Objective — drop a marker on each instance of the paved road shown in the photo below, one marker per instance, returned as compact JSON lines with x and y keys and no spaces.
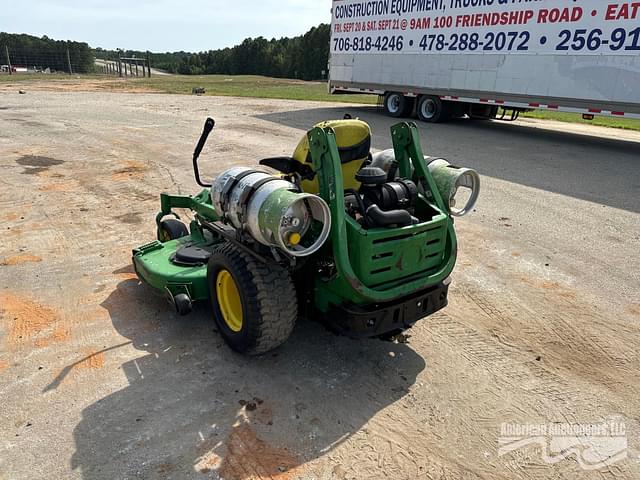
{"x":100,"y":380}
{"x":573,"y":192}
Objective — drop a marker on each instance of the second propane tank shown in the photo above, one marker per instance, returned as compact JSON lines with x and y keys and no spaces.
{"x":449,"y":179}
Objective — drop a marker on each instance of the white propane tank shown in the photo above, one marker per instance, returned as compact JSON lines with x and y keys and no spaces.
{"x":272,"y":210}
{"x":450,"y":180}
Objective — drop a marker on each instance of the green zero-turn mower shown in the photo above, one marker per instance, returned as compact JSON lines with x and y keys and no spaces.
{"x":362,"y":242}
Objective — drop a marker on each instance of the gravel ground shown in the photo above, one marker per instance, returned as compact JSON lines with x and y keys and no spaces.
{"x":99,"y":379}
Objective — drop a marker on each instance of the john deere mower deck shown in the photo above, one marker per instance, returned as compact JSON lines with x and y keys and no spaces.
{"x":362,"y":242}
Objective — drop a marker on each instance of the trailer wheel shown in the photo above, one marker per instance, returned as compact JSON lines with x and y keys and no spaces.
{"x":432,"y":109}
{"x":397,"y":105}
{"x":172,"y":229}
{"x":254,"y":304}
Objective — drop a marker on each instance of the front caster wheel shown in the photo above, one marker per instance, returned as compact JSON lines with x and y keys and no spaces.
{"x":183,"y":304}
{"x":172,"y":229}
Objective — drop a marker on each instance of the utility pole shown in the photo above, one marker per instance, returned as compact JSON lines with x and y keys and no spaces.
{"x":69,"y":62}
{"x":149,"y":63}
{"x":6,"y":49}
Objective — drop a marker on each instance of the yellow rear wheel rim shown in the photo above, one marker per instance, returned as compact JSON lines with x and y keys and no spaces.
{"x":229,"y":300}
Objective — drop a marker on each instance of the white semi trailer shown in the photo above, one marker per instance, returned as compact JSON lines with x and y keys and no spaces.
{"x":444,"y":58}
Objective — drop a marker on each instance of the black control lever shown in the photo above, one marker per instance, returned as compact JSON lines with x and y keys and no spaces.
{"x":208,"y":127}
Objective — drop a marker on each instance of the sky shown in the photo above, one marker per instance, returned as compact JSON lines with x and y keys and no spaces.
{"x":162,"y":25}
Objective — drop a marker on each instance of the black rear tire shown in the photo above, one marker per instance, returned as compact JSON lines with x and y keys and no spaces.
{"x":433,"y":110}
{"x":172,"y":229}
{"x":267,"y":296}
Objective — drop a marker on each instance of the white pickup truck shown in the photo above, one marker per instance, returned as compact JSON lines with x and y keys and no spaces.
{"x":446,"y":58}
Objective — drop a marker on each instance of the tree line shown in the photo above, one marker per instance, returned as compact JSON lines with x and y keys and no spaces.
{"x":29,"y":51}
{"x":304,"y":57}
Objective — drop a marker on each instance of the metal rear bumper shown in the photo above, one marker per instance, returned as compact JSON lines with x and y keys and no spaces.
{"x":372,"y":321}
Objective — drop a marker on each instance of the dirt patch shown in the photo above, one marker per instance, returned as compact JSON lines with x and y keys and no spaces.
{"x":20,"y":259}
{"x":98,"y":314}
{"x":127,"y":273}
{"x":79,"y":85}
{"x":92,"y":360}
{"x":208,"y":460}
{"x":59,"y":335}
{"x":553,"y":288}
{"x":3,"y":365}
{"x":25,"y":317}
{"x":634,"y":309}
{"x":130,"y":169}
{"x":55,"y":187}
{"x":558,"y":289}
{"x":34,"y":170}
{"x":38,"y":161}
{"x":127,"y":269}
{"x":13,"y":216}
{"x":130,"y":218}
{"x":251,"y":458}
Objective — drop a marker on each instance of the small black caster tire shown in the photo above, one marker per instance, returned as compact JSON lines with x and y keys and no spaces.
{"x":183,"y":304}
{"x":172,"y":229}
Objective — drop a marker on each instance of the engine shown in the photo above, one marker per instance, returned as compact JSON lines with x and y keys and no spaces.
{"x":457,"y":185}
{"x":382,"y":203}
{"x":385,"y":200}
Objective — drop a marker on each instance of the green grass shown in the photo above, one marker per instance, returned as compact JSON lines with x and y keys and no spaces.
{"x":613,"y":122}
{"x":250,"y":86}
{"x":265,"y":87}
{"x":218,"y":85}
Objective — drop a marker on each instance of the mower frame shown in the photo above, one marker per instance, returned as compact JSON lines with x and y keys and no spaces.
{"x":345,"y":289}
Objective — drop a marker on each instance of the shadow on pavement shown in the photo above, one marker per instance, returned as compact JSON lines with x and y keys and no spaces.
{"x":600,"y":170}
{"x":193,"y":407}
